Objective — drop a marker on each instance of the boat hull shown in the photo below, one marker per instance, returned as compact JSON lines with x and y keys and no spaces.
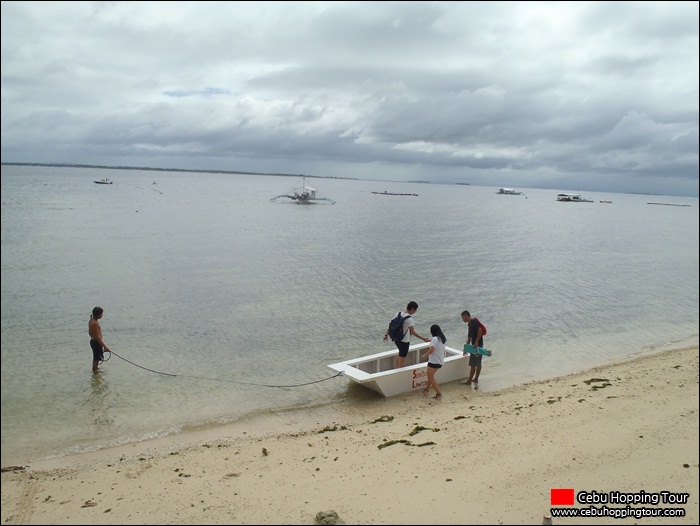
{"x":377,"y":371}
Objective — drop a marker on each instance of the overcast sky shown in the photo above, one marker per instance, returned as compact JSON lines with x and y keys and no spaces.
{"x":564,"y":95}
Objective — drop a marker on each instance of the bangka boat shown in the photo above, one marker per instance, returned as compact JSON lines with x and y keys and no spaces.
{"x":508,"y":191}
{"x":573,"y":198}
{"x":393,"y":193}
{"x":378,"y":372}
{"x":303,"y":195}
{"x":103,"y":181}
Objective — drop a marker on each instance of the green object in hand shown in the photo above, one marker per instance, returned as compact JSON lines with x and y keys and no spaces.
{"x":470,"y":349}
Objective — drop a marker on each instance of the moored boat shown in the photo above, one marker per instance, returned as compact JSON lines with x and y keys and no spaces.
{"x":303,"y":195}
{"x":378,"y":372}
{"x":573,"y":198}
{"x":393,"y":193}
{"x":103,"y":181}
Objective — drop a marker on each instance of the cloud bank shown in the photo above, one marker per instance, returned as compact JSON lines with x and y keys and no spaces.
{"x":567,"y":95}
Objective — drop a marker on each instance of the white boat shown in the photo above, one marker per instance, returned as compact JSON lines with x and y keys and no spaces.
{"x":508,"y":191}
{"x":393,"y":193}
{"x":103,"y":181}
{"x":378,"y":372}
{"x":573,"y":198}
{"x":303,"y":195}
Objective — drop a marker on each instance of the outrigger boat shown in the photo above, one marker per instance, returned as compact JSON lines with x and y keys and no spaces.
{"x":303,"y":195}
{"x":378,"y":372}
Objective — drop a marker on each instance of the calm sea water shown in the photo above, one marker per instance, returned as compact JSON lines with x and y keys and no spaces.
{"x":221,"y":304}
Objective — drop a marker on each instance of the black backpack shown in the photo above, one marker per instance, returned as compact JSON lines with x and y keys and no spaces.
{"x":396,"y":332}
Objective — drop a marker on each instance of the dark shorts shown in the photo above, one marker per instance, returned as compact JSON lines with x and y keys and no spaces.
{"x":475,"y":360}
{"x":97,"y":351}
{"x":434,"y":365}
{"x":403,"y":348}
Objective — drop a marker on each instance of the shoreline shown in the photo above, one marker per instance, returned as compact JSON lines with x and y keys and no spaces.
{"x":473,"y":457}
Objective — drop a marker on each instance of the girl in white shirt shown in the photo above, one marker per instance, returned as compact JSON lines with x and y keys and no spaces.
{"x":436,"y":357}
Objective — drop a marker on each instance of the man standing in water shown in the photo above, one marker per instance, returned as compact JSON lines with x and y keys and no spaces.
{"x":409,"y":328}
{"x":96,"y":343}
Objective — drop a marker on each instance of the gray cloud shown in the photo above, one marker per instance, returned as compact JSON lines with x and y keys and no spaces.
{"x":566,"y":95}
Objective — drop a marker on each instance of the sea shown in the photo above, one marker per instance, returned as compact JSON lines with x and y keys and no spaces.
{"x":220,"y":305}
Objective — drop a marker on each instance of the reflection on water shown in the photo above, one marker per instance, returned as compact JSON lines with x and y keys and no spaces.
{"x":96,"y":403}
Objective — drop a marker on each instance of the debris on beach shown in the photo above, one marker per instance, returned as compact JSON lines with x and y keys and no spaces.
{"x":13,"y":468}
{"x":328,"y":517}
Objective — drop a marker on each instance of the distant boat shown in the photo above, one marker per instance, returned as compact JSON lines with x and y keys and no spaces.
{"x":103,"y":181}
{"x":508,"y":191}
{"x":573,"y":198}
{"x":303,"y":195}
{"x":603,"y":201}
{"x":392,"y":193}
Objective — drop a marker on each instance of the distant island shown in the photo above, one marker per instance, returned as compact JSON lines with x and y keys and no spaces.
{"x":143,"y":168}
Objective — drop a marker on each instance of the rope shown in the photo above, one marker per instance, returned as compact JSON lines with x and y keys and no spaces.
{"x":103,"y":360}
{"x":223,"y":379}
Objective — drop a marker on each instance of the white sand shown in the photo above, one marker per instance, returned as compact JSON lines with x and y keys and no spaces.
{"x":492,"y":458}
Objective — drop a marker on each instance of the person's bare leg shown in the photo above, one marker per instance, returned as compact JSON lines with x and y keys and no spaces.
{"x":476,"y":378}
{"x":433,"y":382}
{"x":431,"y":379}
{"x":471,"y":375}
{"x":400,"y":361}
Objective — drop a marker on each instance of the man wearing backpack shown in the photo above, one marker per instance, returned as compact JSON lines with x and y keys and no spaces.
{"x":407,"y":328}
{"x":475,"y":336}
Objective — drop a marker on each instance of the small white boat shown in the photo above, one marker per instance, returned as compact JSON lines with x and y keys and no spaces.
{"x":103,"y":181}
{"x":508,"y":191}
{"x":377,"y":371}
{"x":573,"y":198}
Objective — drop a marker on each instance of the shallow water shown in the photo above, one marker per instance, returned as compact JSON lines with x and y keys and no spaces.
{"x":220,"y":304}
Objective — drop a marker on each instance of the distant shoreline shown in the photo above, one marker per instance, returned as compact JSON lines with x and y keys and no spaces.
{"x":143,"y":168}
{"x":237,"y":172}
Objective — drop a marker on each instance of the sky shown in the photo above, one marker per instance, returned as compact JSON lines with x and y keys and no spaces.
{"x":598,"y":96}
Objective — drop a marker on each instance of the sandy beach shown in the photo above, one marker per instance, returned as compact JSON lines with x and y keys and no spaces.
{"x":613,"y":433}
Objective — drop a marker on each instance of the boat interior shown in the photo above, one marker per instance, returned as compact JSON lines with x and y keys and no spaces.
{"x":387,"y":363}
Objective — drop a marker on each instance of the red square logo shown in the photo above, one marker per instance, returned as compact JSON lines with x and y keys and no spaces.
{"x":562,"y":497}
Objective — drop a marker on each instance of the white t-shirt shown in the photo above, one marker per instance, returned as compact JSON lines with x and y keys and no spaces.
{"x":438,"y":355}
{"x":407,"y":324}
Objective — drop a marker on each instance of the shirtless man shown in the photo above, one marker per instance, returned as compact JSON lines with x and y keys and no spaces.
{"x":95,"y":331}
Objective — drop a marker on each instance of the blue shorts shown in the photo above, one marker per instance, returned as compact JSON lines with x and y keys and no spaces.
{"x":403,"y":348}
{"x":97,"y":351}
